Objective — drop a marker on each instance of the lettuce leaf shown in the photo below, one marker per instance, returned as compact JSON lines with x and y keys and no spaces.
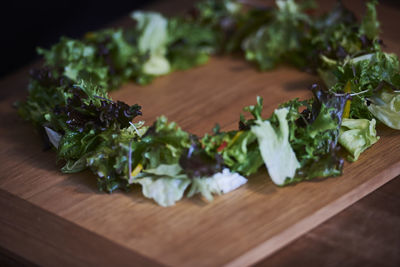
{"x":153,"y":39}
{"x":276,"y":41}
{"x":356,"y":135}
{"x":73,"y":166}
{"x":242,"y":154}
{"x":104,"y":56}
{"x":165,"y":184}
{"x":163,"y":143}
{"x":112,"y":156}
{"x":275,"y":148}
{"x":370,"y":25}
{"x":220,"y":183}
{"x":367,"y":76}
{"x":239,"y":150}
{"x":189,"y":43}
{"x":164,"y":190}
{"x":385,"y":106}
{"x":54,"y":137}
{"x":314,"y":133}
{"x":197,"y":163}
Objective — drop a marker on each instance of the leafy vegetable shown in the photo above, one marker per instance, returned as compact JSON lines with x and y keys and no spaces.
{"x":311,"y":136}
{"x":356,"y":135}
{"x":370,"y":24}
{"x":197,"y":163}
{"x":164,"y":190}
{"x":97,"y":114}
{"x":163,"y":143}
{"x":54,"y":137}
{"x":332,"y":43}
{"x":189,"y":43}
{"x":106,"y":57}
{"x":385,"y":106}
{"x":219,"y":16}
{"x":111,"y":159}
{"x":314,"y":134}
{"x":239,"y":150}
{"x":220,"y":183}
{"x":367,"y":74}
{"x":69,"y":103}
{"x":153,"y":37}
{"x":46,"y":90}
{"x":280,"y":38}
{"x":275,"y":148}
{"x":165,"y":184}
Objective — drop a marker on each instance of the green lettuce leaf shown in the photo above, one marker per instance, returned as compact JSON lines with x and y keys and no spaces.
{"x":275,"y":148}
{"x":106,"y":57}
{"x":74,"y":56}
{"x":165,"y":184}
{"x":314,"y":132}
{"x":47,"y":89}
{"x":242,"y":154}
{"x":356,"y":135}
{"x":239,"y":150}
{"x":163,"y":143}
{"x":172,"y":170}
{"x":190,"y":43}
{"x":164,"y":191}
{"x":385,"y":107}
{"x":112,"y":156}
{"x":73,"y":166}
{"x":367,"y":75}
{"x":220,"y":183}
{"x":278,"y":40}
{"x":153,"y":41}
{"x":370,"y":24}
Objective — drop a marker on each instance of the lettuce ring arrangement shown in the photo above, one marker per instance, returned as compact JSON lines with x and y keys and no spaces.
{"x":69,"y":103}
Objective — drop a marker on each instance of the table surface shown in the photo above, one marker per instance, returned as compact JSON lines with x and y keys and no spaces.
{"x":369,"y":228}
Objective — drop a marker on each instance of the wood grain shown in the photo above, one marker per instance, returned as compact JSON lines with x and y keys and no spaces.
{"x":50,"y":214}
{"x":365,"y":234}
{"x":51,"y":240}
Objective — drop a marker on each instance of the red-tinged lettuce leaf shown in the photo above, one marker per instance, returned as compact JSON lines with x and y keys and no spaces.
{"x":314,"y":134}
{"x":324,"y":165}
{"x":197,"y":163}
{"x":97,"y":114}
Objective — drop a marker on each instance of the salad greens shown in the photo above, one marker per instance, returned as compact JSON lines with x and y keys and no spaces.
{"x":366,"y":77}
{"x":220,"y":183}
{"x":275,"y":148}
{"x":385,"y":106}
{"x":239,"y":150}
{"x":356,"y":135}
{"x":152,"y":41}
{"x":165,"y":184}
{"x":314,"y":133}
{"x":68,"y":98}
{"x":278,"y":40}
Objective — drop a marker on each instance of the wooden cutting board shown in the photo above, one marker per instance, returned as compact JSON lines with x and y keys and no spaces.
{"x":55,"y":219}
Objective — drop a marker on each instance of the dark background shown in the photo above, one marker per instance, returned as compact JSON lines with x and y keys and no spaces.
{"x":26,"y":25}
